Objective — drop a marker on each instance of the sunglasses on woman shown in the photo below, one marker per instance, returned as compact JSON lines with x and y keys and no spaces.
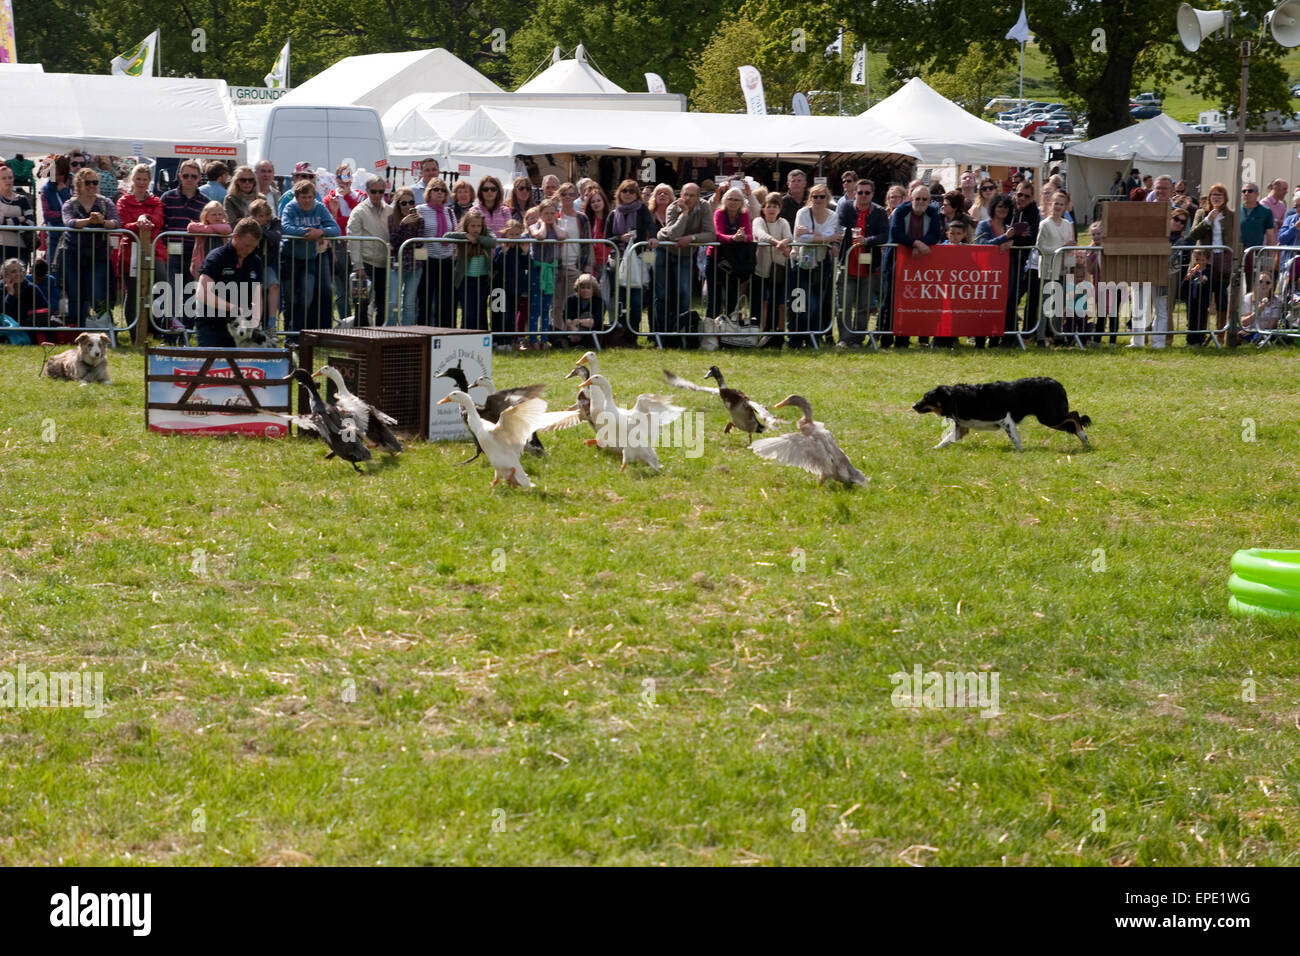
{"x":407,"y":202}
{"x":489,"y":189}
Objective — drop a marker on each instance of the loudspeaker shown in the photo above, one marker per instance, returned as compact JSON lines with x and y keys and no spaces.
{"x":1195,"y":25}
{"x":1284,"y":22}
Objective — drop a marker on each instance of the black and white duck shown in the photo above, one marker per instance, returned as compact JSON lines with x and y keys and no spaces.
{"x":373,"y":423}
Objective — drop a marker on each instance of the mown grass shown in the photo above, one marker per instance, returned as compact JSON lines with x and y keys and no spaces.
{"x":354,"y":676}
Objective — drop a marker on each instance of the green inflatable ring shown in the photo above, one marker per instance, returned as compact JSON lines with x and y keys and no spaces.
{"x":1265,"y":583}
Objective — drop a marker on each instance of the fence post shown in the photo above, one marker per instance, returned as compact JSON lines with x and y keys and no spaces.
{"x":144,"y":285}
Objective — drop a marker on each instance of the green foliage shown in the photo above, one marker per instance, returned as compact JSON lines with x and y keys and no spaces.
{"x":625,"y":39}
{"x":787,"y":45}
{"x":974,"y":79}
{"x":240,"y":39}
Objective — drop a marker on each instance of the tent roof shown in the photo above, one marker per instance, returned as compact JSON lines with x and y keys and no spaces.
{"x":1152,"y":141}
{"x":494,"y":130}
{"x":379,"y":80}
{"x":423,"y":132}
{"x":118,"y":115}
{"x":570,"y":76}
{"x":942,"y":130}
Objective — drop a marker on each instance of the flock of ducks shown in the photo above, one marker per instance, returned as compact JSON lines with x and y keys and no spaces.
{"x":508,"y":421}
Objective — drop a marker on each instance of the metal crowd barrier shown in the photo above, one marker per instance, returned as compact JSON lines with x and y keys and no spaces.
{"x":312,"y":290}
{"x":1283,"y":263}
{"x":1156,"y":312}
{"x":83,"y":288}
{"x":512,"y":301}
{"x":787,"y":303}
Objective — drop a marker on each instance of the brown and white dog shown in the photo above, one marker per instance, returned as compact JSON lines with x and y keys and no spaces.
{"x":87,"y":363}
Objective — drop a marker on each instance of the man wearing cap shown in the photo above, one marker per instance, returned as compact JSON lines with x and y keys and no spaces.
{"x":302,"y":172}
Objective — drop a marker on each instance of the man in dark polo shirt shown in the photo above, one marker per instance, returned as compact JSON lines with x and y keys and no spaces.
{"x":230,"y":285}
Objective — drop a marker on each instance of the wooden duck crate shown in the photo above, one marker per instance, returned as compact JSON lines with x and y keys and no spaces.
{"x":1135,"y":236}
{"x":387,"y":366}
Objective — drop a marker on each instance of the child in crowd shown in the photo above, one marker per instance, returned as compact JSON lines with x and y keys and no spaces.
{"x":584,"y":311}
{"x":473,"y":269}
{"x":541,"y":275}
{"x":1199,"y":295}
{"x":260,"y":210}
{"x":957,"y":233}
{"x":513,"y":266}
{"x":213,"y":222}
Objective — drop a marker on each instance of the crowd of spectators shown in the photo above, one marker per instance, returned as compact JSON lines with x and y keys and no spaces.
{"x":546,"y":263}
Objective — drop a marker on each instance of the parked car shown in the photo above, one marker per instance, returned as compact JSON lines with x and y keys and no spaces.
{"x":1148,"y":99}
{"x":1144,"y":112}
{"x":1295,"y":89}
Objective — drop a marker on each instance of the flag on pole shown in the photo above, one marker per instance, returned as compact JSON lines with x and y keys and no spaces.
{"x":836,"y":48}
{"x":751,"y":84}
{"x":278,"y":78}
{"x":1020,"y":32}
{"x":137,"y":61}
{"x":8,"y":48}
{"x":859,"y":74}
{"x":655,"y":83}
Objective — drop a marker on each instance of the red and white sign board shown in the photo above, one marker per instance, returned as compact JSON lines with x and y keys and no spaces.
{"x":226,"y":401}
{"x":953,"y":291}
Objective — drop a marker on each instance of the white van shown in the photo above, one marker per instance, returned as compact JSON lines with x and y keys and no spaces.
{"x":321,"y":135}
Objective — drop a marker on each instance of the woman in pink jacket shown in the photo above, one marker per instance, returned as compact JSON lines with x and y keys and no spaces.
{"x":730,"y":263}
{"x":492,"y":204}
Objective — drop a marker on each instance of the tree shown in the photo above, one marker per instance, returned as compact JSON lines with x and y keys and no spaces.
{"x":972,"y":80}
{"x":1098,"y":50}
{"x":238,"y":40}
{"x":787,"y":45}
{"x":624,"y":39}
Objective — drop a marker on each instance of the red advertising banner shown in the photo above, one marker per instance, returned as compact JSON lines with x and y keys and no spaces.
{"x":952,"y":291}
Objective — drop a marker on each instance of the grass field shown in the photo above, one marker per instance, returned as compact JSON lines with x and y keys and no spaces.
{"x":304,"y":665}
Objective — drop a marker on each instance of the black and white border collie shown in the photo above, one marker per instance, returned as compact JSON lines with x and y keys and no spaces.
{"x":993,"y":405}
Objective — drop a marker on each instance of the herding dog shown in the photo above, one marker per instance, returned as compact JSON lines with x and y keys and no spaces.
{"x":993,"y":405}
{"x":88,"y":362}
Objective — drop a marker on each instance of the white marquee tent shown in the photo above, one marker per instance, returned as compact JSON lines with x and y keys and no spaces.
{"x":571,"y":76}
{"x":486,"y":141}
{"x":118,"y":116}
{"x":380,"y":80}
{"x":1152,"y":146}
{"x":943,"y":131}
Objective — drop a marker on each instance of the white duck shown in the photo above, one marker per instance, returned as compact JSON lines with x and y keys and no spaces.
{"x":370,"y":421}
{"x":811,"y":448}
{"x":633,"y":431}
{"x":503,"y":440}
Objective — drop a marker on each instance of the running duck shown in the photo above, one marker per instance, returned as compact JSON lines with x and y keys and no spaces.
{"x":746,"y":414}
{"x":503,"y":440}
{"x":340,"y":431}
{"x":811,"y":448}
{"x":371,"y":422}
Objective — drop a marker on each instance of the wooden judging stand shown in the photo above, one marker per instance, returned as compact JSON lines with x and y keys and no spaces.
{"x":1135,"y":237}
